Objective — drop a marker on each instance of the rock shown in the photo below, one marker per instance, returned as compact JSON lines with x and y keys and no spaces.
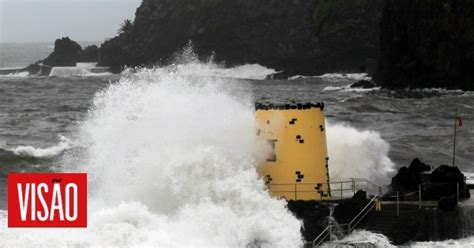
{"x":427,"y":44}
{"x":442,"y":182}
{"x":313,"y":214}
{"x":66,"y":53}
{"x":89,"y":54}
{"x":448,"y":203}
{"x":347,"y":209}
{"x":364,"y":84}
{"x":302,"y":37}
{"x":405,"y":180}
{"x":416,"y":166}
{"x":447,"y":174}
{"x":448,"y":180}
{"x":360,"y":195}
{"x":408,"y":178}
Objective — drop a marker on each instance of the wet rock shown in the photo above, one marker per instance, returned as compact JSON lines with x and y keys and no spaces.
{"x":360,"y":195}
{"x":447,"y":174}
{"x":313,"y":214}
{"x":444,"y":181}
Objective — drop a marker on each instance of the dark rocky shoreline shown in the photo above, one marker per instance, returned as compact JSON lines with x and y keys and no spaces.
{"x":425,"y":222}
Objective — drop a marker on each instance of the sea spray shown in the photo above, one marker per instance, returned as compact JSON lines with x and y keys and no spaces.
{"x":171,"y":159}
{"x":357,"y":154}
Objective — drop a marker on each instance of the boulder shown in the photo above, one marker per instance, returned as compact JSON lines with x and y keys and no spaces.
{"x":416,"y":166}
{"x":447,"y":174}
{"x":360,"y":195}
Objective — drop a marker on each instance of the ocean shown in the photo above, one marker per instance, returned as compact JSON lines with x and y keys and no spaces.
{"x":171,"y":154}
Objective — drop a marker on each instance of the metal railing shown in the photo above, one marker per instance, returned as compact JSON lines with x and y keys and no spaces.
{"x":416,"y":197}
{"x":324,"y":190}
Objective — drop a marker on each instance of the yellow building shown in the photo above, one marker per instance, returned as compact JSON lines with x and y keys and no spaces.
{"x":297,"y":164}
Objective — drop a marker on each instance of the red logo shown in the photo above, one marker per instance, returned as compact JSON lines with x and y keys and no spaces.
{"x":47,"y":200}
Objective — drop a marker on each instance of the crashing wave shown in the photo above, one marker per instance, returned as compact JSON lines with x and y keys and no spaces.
{"x":172,"y":158}
{"x":22,"y":74}
{"x":357,"y":154}
{"x":30,"y":151}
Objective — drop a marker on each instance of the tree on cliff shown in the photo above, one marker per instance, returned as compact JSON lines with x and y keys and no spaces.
{"x":115,"y":52}
{"x":126,"y":27}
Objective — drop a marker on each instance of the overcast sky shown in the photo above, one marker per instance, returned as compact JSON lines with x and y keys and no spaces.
{"x":47,"y":20}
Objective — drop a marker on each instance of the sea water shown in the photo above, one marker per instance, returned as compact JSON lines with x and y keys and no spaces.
{"x":171,"y":153}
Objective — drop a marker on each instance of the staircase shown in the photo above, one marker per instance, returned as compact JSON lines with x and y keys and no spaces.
{"x":346,"y":228}
{"x":383,"y":221}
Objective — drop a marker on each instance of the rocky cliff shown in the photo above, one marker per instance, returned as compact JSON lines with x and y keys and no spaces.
{"x":299,"y":37}
{"x":427,"y":44}
{"x":68,"y":52}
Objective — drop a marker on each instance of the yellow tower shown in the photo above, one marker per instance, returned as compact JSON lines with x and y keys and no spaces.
{"x":297,"y":165}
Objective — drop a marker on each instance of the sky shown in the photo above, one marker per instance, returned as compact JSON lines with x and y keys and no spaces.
{"x":47,"y":20}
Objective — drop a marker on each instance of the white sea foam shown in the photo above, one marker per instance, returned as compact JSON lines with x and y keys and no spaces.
{"x":248,"y":71}
{"x":437,"y":90}
{"x":469,"y":177}
{"x":361,"y":238}
{"x":458,"y":243}
{"x":172,"y":163}
{"x":22,"y":74}
{"x":187,"y":64}
{"x":86,"y":64}
{"x":51,"y":151}
{"x":357,"y":154}
{"x":347,"y":88}
{"x":78,"y":71}
{"x":353,"y":76}
{"x":336,"y":76}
